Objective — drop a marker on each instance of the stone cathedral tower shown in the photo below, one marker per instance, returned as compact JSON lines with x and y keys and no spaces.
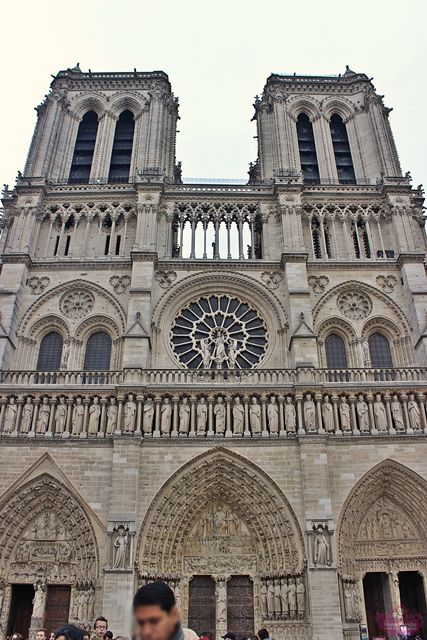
{"x":218,"y":385}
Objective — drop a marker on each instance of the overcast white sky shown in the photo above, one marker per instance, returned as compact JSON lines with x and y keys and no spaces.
{"x":218,"y":56}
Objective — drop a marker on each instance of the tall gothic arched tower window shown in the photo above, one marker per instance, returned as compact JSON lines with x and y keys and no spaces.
{"x":83,"y":151}
{"x":50,"y":352}
{"x":98,"y":352}
{"x":307,"y":149}
{"x":122,"y":148}
{"x":342,"y":150}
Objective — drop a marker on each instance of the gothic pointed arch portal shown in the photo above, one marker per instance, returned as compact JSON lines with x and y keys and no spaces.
{"x":220,"y":515}
{"x":47,"y":540}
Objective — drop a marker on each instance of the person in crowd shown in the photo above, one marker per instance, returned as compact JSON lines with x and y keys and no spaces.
{"x":16,"y":636}
{"x":68,"y":632}
{"x":157,"y":615}
{"x":230,"y":635}
{"x":85,"y":634}
{"x":41,"y":634}
{"x":263,"y":634}
{"x":100,"y":627}
{"x":52,"y":635}
{"x":108,"y":635}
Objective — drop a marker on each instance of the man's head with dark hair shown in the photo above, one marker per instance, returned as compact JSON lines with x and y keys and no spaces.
{"x":263,"y":634}
{"x":100,"y":626}
{"x":85,"y":634}
{"x":155,"y":611}
{"x":108,"y":635}
{"x":41,"y":634}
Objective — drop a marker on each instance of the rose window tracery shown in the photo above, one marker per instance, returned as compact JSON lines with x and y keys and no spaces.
{"x":76,"y":304}
{"x":219,"y":332}
{"x":354,"y":306}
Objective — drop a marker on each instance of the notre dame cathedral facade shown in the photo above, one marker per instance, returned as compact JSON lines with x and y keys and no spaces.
{"x":218,"y":385}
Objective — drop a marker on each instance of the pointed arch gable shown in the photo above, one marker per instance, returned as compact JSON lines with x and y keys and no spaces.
{"x":226,"y":476}
{"x":388,"y":486}
{"x":46,"y":525}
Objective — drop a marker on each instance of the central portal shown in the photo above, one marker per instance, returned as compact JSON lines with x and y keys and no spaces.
{"x":240,"y":606}
{"x":202,"y":606}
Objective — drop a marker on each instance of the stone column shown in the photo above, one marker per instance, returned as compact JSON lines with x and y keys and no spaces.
{"x":118,"y":431}
{"x":318,"y":398}
{"x":157,"y":401}
{"x":391,"y":429}
{"x":174,"y":433}
{"x":101,"y":432}
{"x":138,"y":426}
{"x":338,"y":431}
{"x":404,"y":399}
{"x":66,"y":433}
{"x":32,"y":433}
{"x":3,"y":403}
{"x":300,"y":426}
{"x":210,"y":433}
{"x":19,"y":402}
{"x":370,"y":400}
{"x":228,"y":432}
{"x":264,"y":432}
{"x":352,"y":400}
{"x":282,"y":432}
{"x":421,"y":400}
{"x":192,"y":433}
{"x":49,"y":432}
{"x":247,"y":427}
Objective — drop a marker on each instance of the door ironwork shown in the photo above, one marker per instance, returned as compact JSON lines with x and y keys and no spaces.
{"x":201,"y":606}
{"x":240,"y":606}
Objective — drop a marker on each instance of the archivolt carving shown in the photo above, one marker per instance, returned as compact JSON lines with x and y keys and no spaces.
{"x":95,"y":101}
{"x":56,"y":292}
{"x":135,"y":103}
{"x":45,"y":534}
{"x":377,"y":525}
{"x":336,"y":325}
{"x":310,"y":106}
{"x":376,"y":323}
{"x":97,"y":323}
{"x":252,"y":506}
{"x":342,"y":106}
{"x":367,"y":290}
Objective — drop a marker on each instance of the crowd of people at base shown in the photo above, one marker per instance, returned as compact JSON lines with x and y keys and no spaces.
{"x":156,"y":617}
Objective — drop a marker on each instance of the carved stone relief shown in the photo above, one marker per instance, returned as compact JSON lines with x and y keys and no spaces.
{"x":76,"y":304}
{"x":120,"y":284}
{"x":38,"y":285}
{"x":354,"y":305}
{"x":165,"y":278}
{"x":387,"y":283}
{"x":318,"y":283}
{"x":272,"y":279}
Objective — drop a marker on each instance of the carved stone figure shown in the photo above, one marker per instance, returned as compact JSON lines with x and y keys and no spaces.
{"x":273,"y":415}
{"x":380,"y":414}
{"x":65,"y":356}
{"x":120,"y":549}
{"x":78,"y":417}
{"x":397,"y":413}
{"x":284,"y":597}
{"x":202,"y":416}
{"x":366,"y":353}
{"x":300,"y":598}
{"x":264,"y":601}
{"x":363,"y":414}
{"x":38,"y":601}
{"x":277,"y":602}
{"x":112,"y":416}
{"x":232,"y":353}
{"x":414,"y":413}
{"x":165,"y":417}
{"x":270,"y":597}
{"x":345,"y":415}
{"x":348,"y":602}
{"x":219,"y":413}
{"x":290,"y":416}
{"x":60,"y":416}
{"x":94,"y":413}
{"x":184,"y":416}
{"x":292,"y":598}
{"x":130,"y":415}
{"x":43,"y":418}
{"x":10,"y":419}
{"x":238,"y":417}
{"x":219,"y":355}
{"x":147,"y":422}
{"x":255,"y":417}
{"x":327,"y":415}
{"x":309,"y":413}
{"x":221,"y":601}
{"x":205,"y":348}
{"x":321,"y":547}
{"x":27,"y":415}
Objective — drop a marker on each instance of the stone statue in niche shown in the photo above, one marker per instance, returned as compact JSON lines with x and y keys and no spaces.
{"x":238,"y":417}
{"x":277,"y":603}
{"x":130,"y":415}
{"x":219,"y":413}
{"x":414,"y":413}
{"x":121,"y":544}
{"x":202,"y":417}
{"x":27,"y":415}
{"x":290,"y":416}
{"x":380,"y":414}
{"x":147,"y":423}
{"x":273,"y":415}
{"x":94,"y":414}
{"x":328,"y":415}
{"x":309,"y":413}
{"x":165,"y":417}
{"x":270,"y":597}
{"x":397,"y":413}
{"x":362,"y":414}
{"x":65,"y":356}
{"x":78,"y":417}
{"x":232,"y":352}
{"x":345,"y":415}
{"x":44,"y":413}
{"x":219,"y":354}
{"x":292,"y":598}
{"x":321,"y":547}
{"x":111,"y":417}
{"x":60,"y":416}
{"x":184,"y":417}
{"x":284,"y":597}
{"x":300,"y":598}
{"x":10,"y":419}
{"x":366,"y":353}
{"x":221,"y":601}
{"x":255,"y":417}
{"x":205,"y":348}
{"x":38,"y":601}
{"x":264,"y":601}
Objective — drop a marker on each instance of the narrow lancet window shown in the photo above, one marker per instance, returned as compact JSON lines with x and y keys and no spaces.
{"x":307,"y":149}
{"x":83,"y":151}
{"x":122,"y":148}
{"x":342,"y":151}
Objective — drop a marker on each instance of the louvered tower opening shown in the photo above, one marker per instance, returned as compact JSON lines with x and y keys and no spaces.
{"x":122,"y":148}
{"x":307,"y":150}
{"x":342,"y":151}
{"x":83,"y":151}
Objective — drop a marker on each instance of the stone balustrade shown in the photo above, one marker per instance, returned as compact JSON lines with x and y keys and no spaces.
{"x":214,"y":413}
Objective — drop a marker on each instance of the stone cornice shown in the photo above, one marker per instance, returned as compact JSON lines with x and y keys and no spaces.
{"x":293,"y":257}
{"x":66,"y":265}
{"x":179,"y":264}
{"x":144,"y":256}
{"x":351,"y":265}
{"x":410,"y":258}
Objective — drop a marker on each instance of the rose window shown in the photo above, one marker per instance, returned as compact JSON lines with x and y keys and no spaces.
{"x":354,"y":305}
{"x":76,"y":304}
{"x":219,"y":332}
